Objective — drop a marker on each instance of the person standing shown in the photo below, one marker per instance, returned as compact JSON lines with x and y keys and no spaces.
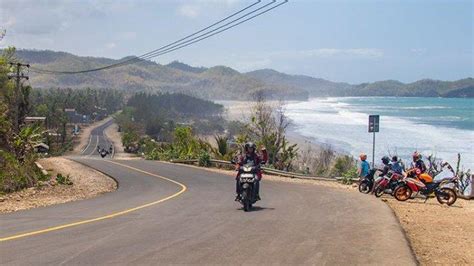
{"x":364,"y":167}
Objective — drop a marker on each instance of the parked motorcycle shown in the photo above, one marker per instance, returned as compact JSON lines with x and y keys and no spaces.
{"x":443,"y":189}
{"x":366,"y":185}
{"x":390,"y":181}
{"x":248,"y":181}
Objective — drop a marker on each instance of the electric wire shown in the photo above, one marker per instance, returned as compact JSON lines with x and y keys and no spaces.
{"x":183,"y":42}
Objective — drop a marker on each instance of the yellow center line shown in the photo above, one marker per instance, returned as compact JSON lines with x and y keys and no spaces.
{"x":109,"y":216}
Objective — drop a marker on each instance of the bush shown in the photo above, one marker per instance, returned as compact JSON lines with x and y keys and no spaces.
{"x":349,"y":175}
{"x":63,"y":180}
{"x":342,"y":165}
{"x":204,"y":159}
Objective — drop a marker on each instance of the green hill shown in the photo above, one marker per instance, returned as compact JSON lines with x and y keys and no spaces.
{"x":214,"y":83}
{"x":220,"y":82}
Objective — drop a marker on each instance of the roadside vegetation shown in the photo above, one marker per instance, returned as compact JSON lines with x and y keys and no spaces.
{"x":20,"y":136}
{"x":65,"y":108}
{"x":181,"y":127}
{"x":17,"y":140}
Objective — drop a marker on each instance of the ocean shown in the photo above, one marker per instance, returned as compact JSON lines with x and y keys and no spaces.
{"x":442,"y":127}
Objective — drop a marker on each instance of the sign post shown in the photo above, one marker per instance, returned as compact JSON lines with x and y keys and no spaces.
{"x":374,"y":124}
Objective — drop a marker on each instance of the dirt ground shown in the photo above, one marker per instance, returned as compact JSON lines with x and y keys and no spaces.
{"x":438,"y":234}
{"x":87,"y":183}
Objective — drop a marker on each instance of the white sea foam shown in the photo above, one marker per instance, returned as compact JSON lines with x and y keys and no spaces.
{"x":330,"y":121}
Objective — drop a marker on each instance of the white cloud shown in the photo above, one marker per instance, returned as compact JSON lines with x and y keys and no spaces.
{"x":127,"y":35}
{"x":189,"y":11}
{"x":332,"y":52}
{"x":110,"y":45}
{"x":418,"y":51}
{"x":193,"y":8}
{"x":53,"y":15}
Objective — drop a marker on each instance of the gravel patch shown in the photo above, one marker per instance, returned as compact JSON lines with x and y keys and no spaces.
{"x":87,"y":183}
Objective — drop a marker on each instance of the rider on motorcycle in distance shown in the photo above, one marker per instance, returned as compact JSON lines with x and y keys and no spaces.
{"x":251,"y":154}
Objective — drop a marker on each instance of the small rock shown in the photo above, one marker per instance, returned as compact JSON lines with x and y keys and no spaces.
{"x":2,"y":199}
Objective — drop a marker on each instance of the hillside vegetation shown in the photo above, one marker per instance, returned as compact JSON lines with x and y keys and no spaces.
{"x":221,"y":82}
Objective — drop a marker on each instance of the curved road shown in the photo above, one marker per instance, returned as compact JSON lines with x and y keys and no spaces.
{"x":175,"y":214}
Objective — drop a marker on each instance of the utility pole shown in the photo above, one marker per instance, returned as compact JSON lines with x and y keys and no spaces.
{"x":18,"y":75}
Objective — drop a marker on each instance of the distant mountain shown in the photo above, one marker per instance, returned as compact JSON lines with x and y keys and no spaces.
{"x":186,"y":68}
{"x":220,"y":82}
{"x":317,"y":87}
{"x":462,"y":88}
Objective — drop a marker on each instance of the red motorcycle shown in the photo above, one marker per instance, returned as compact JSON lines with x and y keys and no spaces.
{"x":390,"y":181}
{"x":417,"y":182}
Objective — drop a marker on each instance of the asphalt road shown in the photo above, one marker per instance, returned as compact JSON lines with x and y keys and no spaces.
{"x":175,"y":214}
{"x":98,"y":139}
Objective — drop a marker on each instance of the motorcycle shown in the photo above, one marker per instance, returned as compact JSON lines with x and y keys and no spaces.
{"x":366,"y":185}
{"x":390,"y":181}
{"x":248,"y":181}
{"x":102,"y":152}
{"x":443,"y":189}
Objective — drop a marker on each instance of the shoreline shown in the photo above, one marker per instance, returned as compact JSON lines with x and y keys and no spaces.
{"x":240,"y":111}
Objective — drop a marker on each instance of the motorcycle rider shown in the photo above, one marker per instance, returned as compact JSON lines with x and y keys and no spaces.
{"x":251,"y":155}
{"x":387,"y":166}
{"x":419,"y":164}
{"x":397,"y":165}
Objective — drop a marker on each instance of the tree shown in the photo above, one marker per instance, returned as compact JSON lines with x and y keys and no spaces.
{"x":268,"y":126}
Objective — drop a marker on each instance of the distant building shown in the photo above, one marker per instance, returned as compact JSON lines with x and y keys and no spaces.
{"x":38,"y":120}
{"x":41,"y":148}
{"x":76,"y":118}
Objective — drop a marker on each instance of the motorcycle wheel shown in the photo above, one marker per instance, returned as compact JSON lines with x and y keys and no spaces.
{"x":364,"y":187}
{"x":449,"y":198}
{"x":246,"y":201}
{"x":402,"y":193}
{"x":379,"y":191}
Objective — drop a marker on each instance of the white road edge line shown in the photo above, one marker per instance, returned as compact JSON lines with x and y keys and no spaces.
{"x":90,"y":139}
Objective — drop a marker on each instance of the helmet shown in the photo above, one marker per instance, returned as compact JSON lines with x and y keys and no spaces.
{"x":363,"y":156}
{"x":249,"y":145}
{"x":416,"y":156}
{"x":385,"y":160}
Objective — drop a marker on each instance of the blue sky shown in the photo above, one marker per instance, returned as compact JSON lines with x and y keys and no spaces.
{"x":352,"y":41}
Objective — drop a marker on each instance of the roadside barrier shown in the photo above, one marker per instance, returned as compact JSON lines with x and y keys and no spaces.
{"x":267,"y":170}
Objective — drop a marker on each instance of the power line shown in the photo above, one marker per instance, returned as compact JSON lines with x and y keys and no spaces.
{"x":181,"y":43}
{"x":135,"y":58}
{"x":187,"y":43}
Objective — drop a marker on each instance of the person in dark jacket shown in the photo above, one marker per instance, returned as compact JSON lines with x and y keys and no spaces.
{"x":419,"y":164}
{"x":386,"y":166}
{"x":251,"y":155}
{"x":397,"y":165}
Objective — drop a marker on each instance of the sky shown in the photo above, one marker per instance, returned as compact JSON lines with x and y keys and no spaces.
{"x":340,"y":40}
